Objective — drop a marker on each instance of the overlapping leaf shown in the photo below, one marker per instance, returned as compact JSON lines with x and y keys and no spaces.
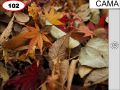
{"x":53,"y":17}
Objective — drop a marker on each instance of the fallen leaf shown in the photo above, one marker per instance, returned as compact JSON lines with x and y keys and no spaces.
{"x":44,"y":86}
{"x":58,"y":33}
{"x":84,"y":12}
{"x":71,"y":72}
{"x":86,"y":31}
{"x":101,"y":33}
{"x":83,"y":71}
{"x":58,"y":50}
{"x":96,"y":76}
{"x":64,"y":66}
{"x":53,"y":17}
{"x":3,"y":73}
{"x":95,"y":53}
{"x":4,"y":36}
{"x":21,"y":17}
{"x":95,"y":18}
{"x":31,"y":78}
{"x":31,"y":33}
{"x":33,"y":11}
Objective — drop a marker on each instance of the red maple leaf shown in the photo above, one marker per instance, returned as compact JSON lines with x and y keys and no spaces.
{"x":31,"y":78}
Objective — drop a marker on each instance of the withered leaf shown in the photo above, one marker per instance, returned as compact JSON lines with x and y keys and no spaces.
{"x":4,"y":36}
{"x":59,"y":47}
{"x":83,"y":71}
{"x":71,"y":72}
{"x":95,"y":54}
{"x":64,"y":65}
{"x":96,"y":76}
{"x":21,"y":17}
{"x":84,"y":12}
{"x":3,"y":73}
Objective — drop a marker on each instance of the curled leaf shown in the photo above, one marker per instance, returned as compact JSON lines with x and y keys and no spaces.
{"x":71,"y":72}
{"x":95,"y":54}
{"x":4,"y":36}
{"x":96,"y":76}
{"x":83,"y":71}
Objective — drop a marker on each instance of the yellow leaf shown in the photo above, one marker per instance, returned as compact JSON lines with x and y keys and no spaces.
{"x":53,"y":17}
{"x":34,"y":11}
{"x":83,"y":71}
{"x":3,"y":73}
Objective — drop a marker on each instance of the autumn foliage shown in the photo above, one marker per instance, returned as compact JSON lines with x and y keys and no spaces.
{"x":54,"y":45}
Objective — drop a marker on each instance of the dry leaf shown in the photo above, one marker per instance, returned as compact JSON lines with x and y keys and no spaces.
{"x":95,"y":16}
{"x":31,"y":33}
{"x":101,"y":33}
{"x":95,"y":54}
{"x":84,"y":12}
{"x":57,"y":33}
{"x":96,"y":76}
{"x":34,"y":11}
{"x":21,"y":17}
{"x":18,"y":40}
{"x":64,"y":65}
{"x":3,"y":73}
{"x":71,"y":72}
{"x":58,"y":50}
{"x":44,"y":86}
{"x":83,"y":71}
{"x":53,"y":17}
{"x":84,"y":29}
{"x":4,"y":36}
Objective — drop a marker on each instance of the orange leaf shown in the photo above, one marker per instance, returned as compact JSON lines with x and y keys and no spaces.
{"x":53,"y":17}
{"x":86,"y":31}
{"x":34,"y":11}
{"x":40,"y":43}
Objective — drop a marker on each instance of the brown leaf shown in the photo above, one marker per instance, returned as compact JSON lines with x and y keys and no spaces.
{"x":7,"y":31}
{"x":84,"y":12}
{"x":71,"y":72}
{"x":58,"y":50}
{"x":83,"y":71}
{"x":3,"y":73}
{"x":96,"y":76}
{"x":95,"y":53}
{"x":21,"y":17}
{"x":64,"y":65}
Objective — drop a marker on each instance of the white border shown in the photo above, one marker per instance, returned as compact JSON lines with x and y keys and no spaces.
{"x":114,"y":62}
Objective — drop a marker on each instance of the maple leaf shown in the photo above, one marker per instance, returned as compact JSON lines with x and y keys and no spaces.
{"x":36,"y":39}
{"x":53,"y":17}
{"x":33,"y":34}
{"x":34,"y":11}
{"x":30,"y":79}
{"x":86,"y":31}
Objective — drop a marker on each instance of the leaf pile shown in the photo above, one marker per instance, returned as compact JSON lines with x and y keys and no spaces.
{"x":54,"y":45}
